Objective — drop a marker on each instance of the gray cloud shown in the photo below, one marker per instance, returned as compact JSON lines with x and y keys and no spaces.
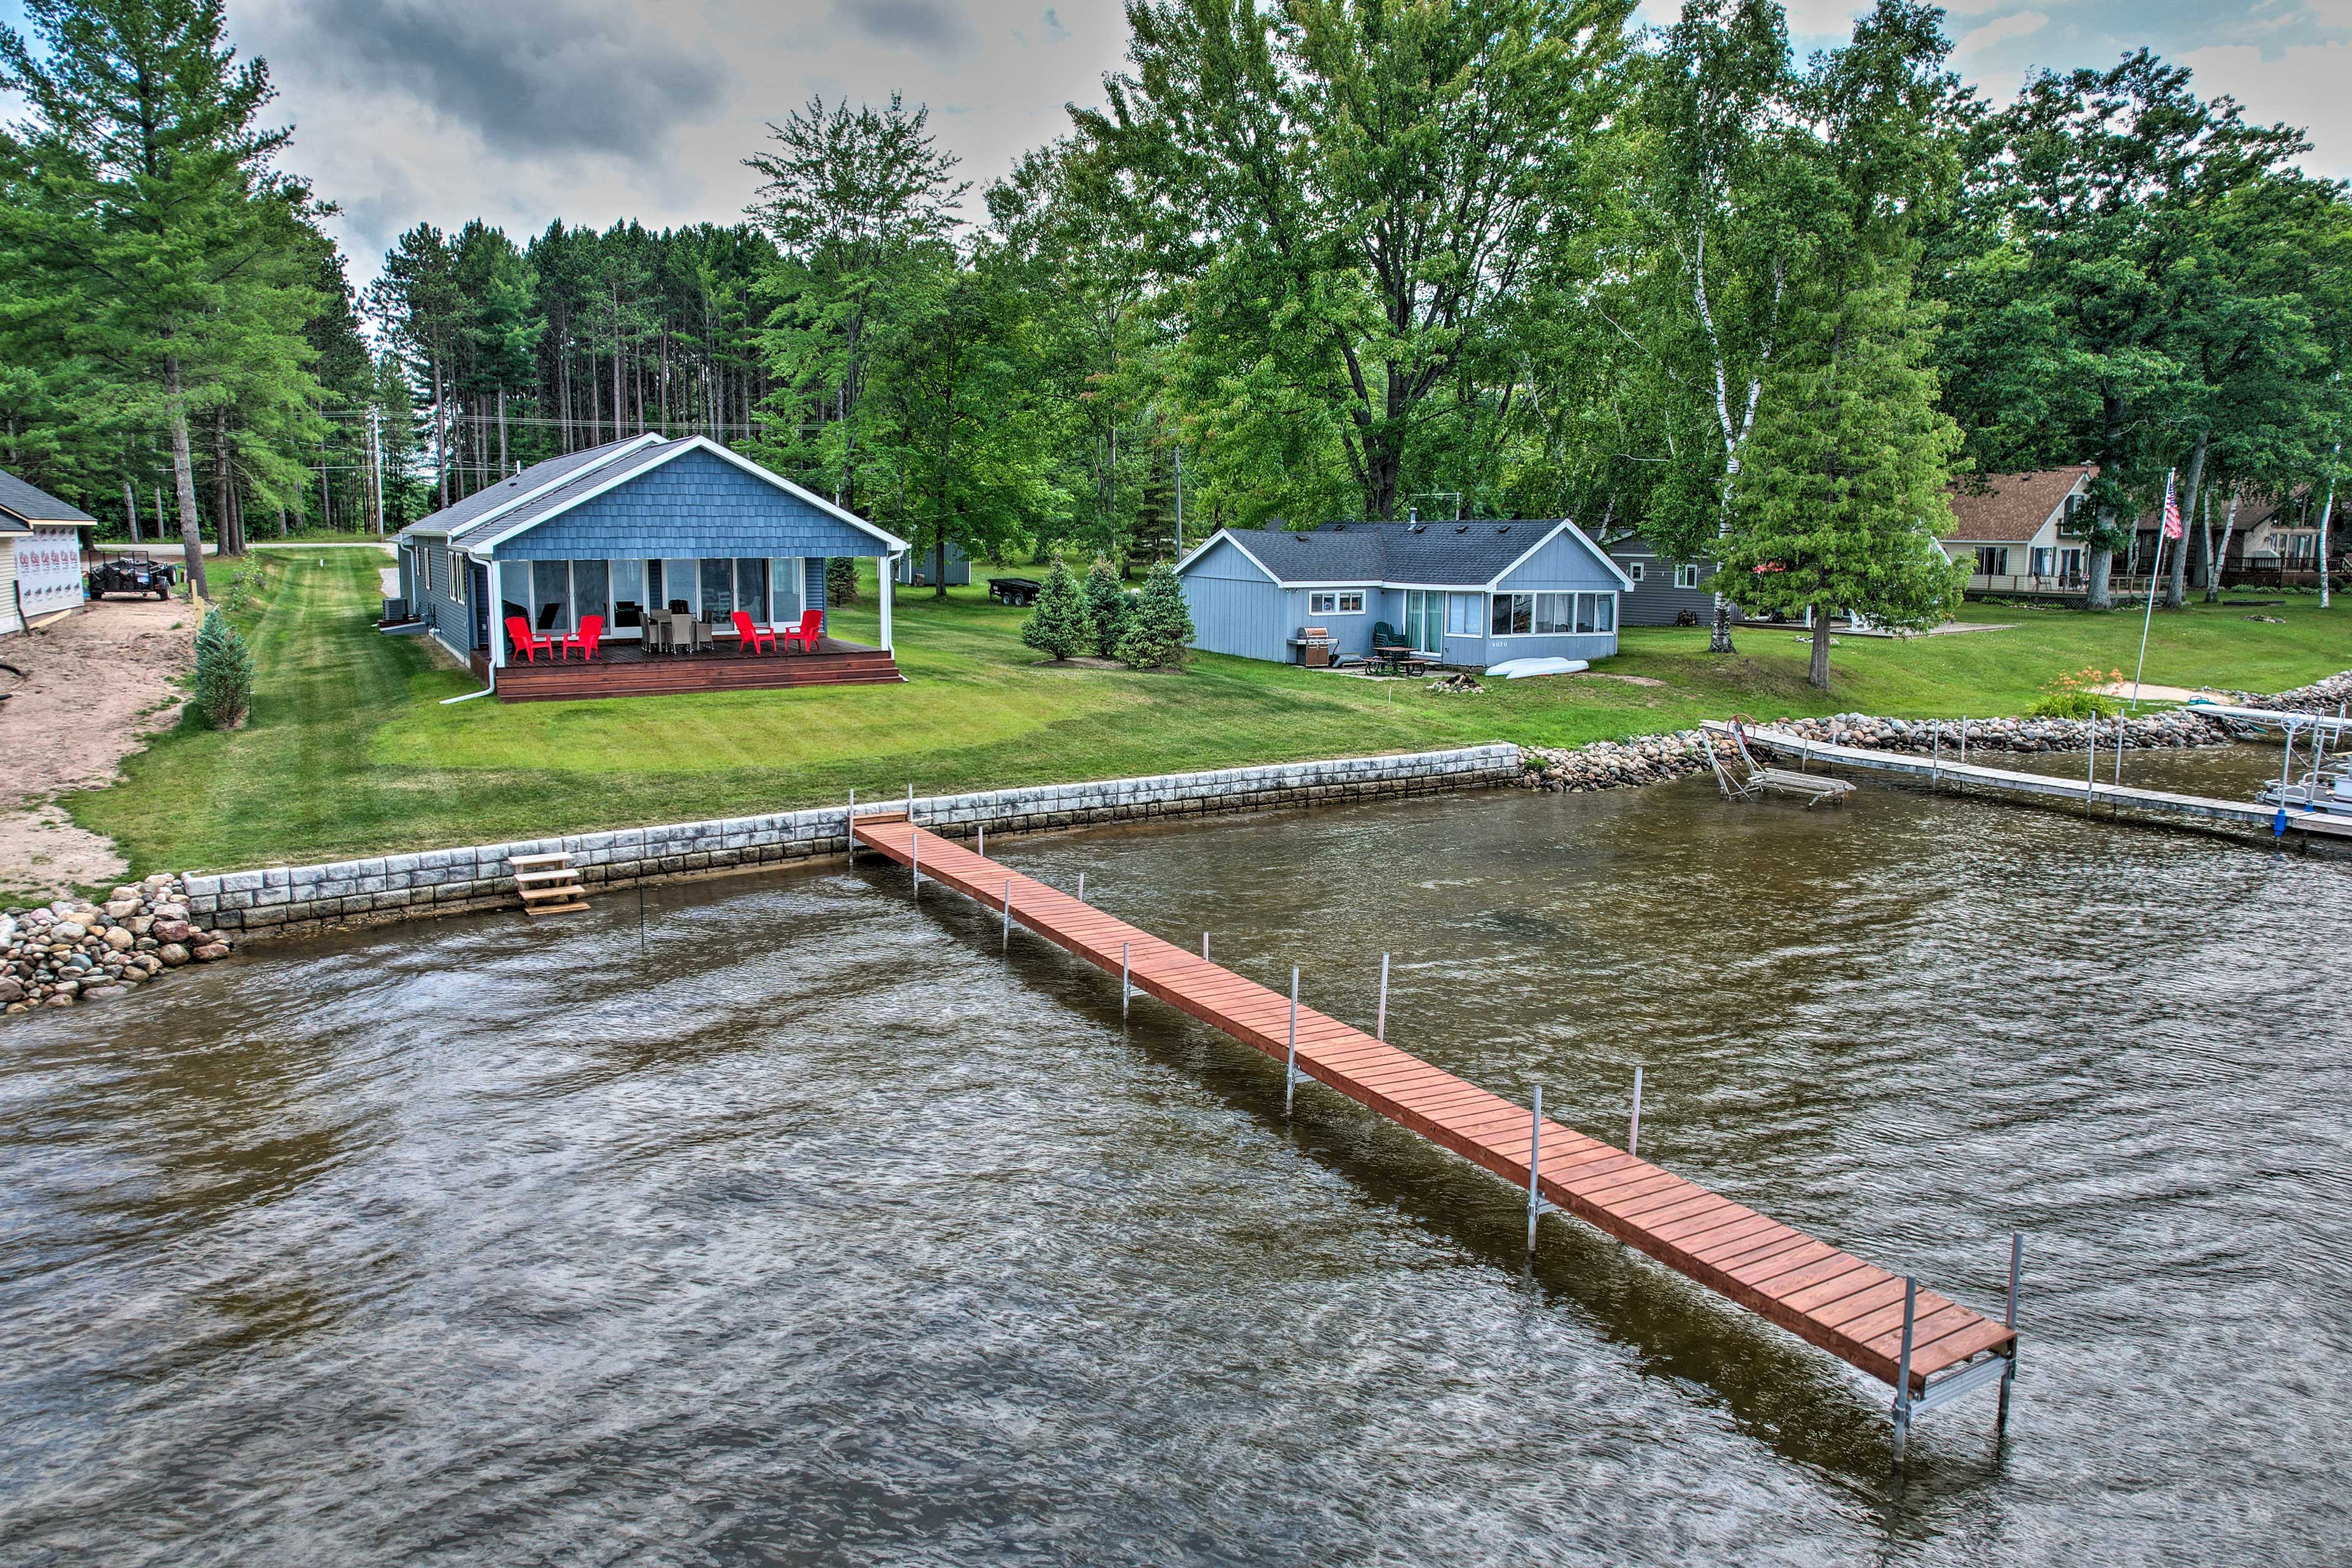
{"x":928,"y":24}
{"x":552,"y":78}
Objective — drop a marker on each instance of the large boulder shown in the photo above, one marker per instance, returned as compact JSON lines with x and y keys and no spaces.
{"x":170,"y":931}
{"x":209,"y":952}
{"x":173,"y":955}
{"x":120,"y":938}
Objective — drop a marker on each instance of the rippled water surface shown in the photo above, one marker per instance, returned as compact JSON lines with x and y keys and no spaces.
{"x":816,"y":1230}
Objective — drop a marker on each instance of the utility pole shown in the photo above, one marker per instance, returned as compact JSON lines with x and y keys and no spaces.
{"x":1179,"y":503}
{"x":375,"y":460}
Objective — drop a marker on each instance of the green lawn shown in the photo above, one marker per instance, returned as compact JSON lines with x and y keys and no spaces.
{"x":349,"y":752}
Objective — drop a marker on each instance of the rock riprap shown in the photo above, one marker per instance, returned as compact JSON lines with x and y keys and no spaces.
{"x":69,"y":951}
{"x":1655,"y":758}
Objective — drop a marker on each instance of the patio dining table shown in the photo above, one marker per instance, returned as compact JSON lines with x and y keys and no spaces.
{"x":679,"y":630}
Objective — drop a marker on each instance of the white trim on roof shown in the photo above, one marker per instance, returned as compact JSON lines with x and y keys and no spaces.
{"x":1564,"y":526}
{"x":678,"y":449}
{"x":569,"y":476}
{"x":1227,"y":535}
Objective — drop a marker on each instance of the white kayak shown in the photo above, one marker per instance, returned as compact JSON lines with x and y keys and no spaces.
{"x":1517,"y":668}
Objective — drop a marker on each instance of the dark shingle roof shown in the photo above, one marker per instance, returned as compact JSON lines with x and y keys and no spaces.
{"x":455,"y":518}
{"x":467,"y":535}
{"x":1453,"y":553}
{"x":33,"y":504}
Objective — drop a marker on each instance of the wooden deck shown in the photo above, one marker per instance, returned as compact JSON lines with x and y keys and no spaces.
{"x":1813,"y":1289}
{"x":625,"y":669}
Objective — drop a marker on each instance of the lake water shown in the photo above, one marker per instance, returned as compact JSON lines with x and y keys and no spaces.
{"x":816,"y":1231}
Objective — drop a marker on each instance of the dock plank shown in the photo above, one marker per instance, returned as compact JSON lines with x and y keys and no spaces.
{"x":1816,"y":1290}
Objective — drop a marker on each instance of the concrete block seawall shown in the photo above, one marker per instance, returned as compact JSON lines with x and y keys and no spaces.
{"x":296,"y":900}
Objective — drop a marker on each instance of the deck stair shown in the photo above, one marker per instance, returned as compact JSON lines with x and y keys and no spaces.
{"x":549,"y":884}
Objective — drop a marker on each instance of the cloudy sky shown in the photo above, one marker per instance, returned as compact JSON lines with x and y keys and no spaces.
{"x":522,"y":111}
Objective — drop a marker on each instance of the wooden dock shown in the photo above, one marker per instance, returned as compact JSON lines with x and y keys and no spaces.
{"x":1825,"y":1296}
{"x":2082,"y":789}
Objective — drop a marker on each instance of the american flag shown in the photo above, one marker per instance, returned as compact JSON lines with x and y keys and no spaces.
{"x":2171,"y":510}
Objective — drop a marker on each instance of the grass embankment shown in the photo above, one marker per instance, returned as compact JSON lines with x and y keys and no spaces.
{"x":349,"y":752}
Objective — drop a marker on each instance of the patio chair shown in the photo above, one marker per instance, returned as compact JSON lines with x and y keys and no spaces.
{"x":808,"y":634}
{"x":748,"y":635}
{"x":590,"y":633}
{"x":678,"y":606}
{"x":1387,"y":635}
{"x":525,"y":641}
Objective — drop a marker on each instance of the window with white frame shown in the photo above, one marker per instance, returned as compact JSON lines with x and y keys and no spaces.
{"x":1553,"y":614}
{"x":1633,"y":570}
{"x":1466,"y":615}
{"x":1336,"y":602}
{"x":1686,"y":576}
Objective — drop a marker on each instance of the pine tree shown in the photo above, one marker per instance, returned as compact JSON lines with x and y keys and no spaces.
{"x":142,"y":195}
{"x":224,"y":673}
{"x":1843,"y":496}
{"x":1160,"y":625}
{"x":841,"y":580}
{"x":1106,"y":607}
{"x":1058,"y":627}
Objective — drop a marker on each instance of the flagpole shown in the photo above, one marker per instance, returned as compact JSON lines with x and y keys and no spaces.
{"x":2154,"y":572}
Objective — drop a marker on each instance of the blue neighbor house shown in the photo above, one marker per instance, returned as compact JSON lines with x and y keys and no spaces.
{"x":629,"y":568}
{"x":1471,"y":595}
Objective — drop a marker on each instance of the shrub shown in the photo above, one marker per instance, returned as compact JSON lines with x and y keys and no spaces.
{"x":1057,"y":627}
{"x":224,"y":673}
{"x":841,"y":579}
{"x":1160,"y":625}
{"x":1107,"y":606}
{"x":2071,"y":697}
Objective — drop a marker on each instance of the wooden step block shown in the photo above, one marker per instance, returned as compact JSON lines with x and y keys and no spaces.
{"x":562,"y":874}
{"x":525,"y":862}
{"x":555,"y":909}
{"x":569,"y":891}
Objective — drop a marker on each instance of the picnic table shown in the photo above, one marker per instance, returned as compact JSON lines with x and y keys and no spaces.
{"x":1402,"y":659}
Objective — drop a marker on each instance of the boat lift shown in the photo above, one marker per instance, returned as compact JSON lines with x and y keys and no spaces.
{"x":1811,"y":788}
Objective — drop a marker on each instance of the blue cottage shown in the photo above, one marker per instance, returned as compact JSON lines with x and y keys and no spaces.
{"x":662,"y":543}
{"x":1471,"y":595}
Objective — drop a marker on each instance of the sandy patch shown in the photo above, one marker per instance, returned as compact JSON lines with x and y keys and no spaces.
{"x":1628,"y":679}
{"x":2151,"y":692}
{"x":94,"y":686}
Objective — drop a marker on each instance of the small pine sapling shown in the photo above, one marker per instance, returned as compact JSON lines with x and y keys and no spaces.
{"x":1160,"y":625}
{"x":1107,"y":606}
{"x":1058,"y":627}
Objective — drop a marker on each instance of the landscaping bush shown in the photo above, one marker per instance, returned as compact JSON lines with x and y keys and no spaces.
{"x":1160,"y":625}
{"x":841,"y":579}
{"x":2071,"y":697}
{"x":1058,"y":627}
{"x":224,"y":673}
{"x":1107,"y":606}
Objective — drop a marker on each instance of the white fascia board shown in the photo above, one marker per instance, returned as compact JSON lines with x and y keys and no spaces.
{"x":477,"y":550}
{"x":571,"y":475}
{"x":1624,"y":583}
{"x":894,"y":544}
{"x":1226,"y":534}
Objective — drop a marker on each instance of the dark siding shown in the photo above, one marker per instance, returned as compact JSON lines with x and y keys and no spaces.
{"x":1654,"y":601}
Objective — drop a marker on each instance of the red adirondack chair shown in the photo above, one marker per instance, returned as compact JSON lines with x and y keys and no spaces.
{"x":808,"y":634}
{"x":590,"y":633}
{"x":525,"y":641}
{"x":749,"y":638}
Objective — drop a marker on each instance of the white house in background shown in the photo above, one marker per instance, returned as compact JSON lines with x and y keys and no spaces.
{"x":2022,"y":533}
{"x":40,"y":552}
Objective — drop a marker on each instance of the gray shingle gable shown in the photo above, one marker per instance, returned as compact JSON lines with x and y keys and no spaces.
{"x":33,"y":504}
{"x":1440,"y":553}
{"x":456,"y":517}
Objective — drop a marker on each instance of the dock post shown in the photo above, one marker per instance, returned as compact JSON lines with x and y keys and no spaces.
{"x":1633,"y":1132}
{"x":1082,"y":886}
{"x":852,"y":827}
{"x":910,"y":801}
{"x":1290,"y":1065}
{"x":1903,"y":1366}
{"x":1204,"y":947}
{"x":1964,"y":740}
{"x":1007,"y":943}
{"x":982,"y":850}
{"x":1380,"y":1028}
{"x":2009,"y":1376}
{"x":1935,"y":761}
{"x":915,"y":854}
{"x":1125,"y":991}
{"x":1535,"y":1164}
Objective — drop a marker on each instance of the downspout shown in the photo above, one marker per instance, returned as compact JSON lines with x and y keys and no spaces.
{"x":493,"y":660}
